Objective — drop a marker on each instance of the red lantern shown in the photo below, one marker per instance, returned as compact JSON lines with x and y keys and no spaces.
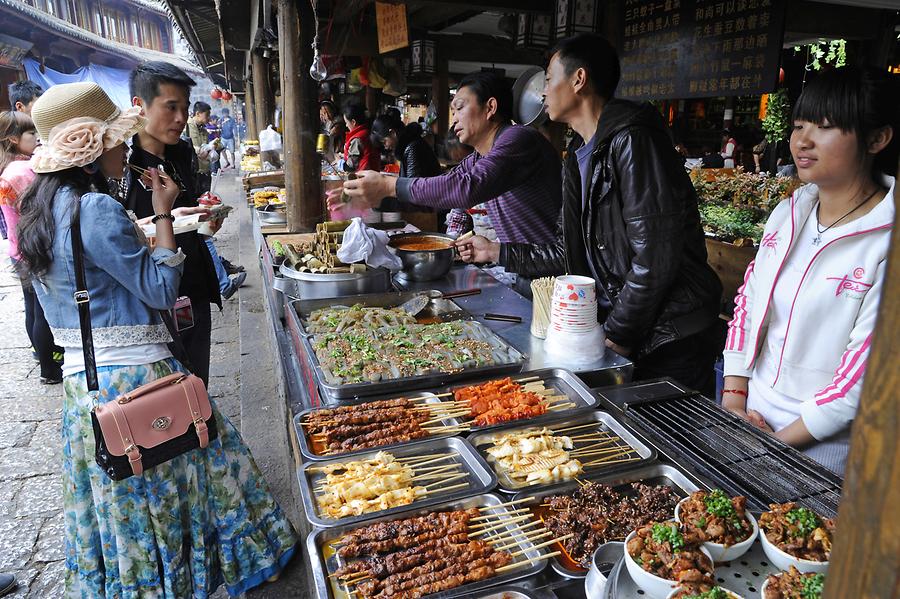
{"x":216,"y":94}
{"x":226,"y":96}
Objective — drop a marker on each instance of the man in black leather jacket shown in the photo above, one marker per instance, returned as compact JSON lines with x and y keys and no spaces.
{"x":629,"y":220}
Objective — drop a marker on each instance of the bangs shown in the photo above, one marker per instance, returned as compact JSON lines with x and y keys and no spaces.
{"x":831,"y":97}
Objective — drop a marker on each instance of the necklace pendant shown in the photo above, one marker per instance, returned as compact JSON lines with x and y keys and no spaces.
{"x":817,"y":240}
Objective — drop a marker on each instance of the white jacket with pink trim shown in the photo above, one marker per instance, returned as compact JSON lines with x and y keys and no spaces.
{"x":832,"y":318}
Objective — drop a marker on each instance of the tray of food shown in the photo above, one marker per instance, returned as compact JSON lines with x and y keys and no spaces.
{"x":553,"y":452}
{"x":380,"y":483}
{"x":398,"y":358}
{"x":354,"y":428}
{"x":457,"y":548}
{"x":534,"y":396}
{"x":375,"y":311}
{"x":603,"y":509}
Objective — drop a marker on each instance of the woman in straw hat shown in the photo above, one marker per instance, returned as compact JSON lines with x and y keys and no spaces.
{"x":203,"y":518}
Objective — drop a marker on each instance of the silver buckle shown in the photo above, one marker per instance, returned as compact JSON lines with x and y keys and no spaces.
{"x":82,"y":297}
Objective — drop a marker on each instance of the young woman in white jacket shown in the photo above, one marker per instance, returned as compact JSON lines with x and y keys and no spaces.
{"x":803,"y":322}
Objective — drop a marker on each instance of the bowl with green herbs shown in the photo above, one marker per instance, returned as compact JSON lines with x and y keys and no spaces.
{"x":702,"y":591}
{"x":728,"y":528}
{"x":793,"y":535}
{"x":794,"y":584}
{"x":662,"y":555}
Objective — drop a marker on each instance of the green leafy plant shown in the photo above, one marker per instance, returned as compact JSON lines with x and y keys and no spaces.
{"x":824,"y":52}
{"x":777,"y":123}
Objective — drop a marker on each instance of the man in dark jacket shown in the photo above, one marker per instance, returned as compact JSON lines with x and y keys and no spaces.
{"x":163,"y":92}
{"x":629,"y":220}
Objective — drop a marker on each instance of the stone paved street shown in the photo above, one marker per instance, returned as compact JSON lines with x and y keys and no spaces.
{"x":31,"y":526}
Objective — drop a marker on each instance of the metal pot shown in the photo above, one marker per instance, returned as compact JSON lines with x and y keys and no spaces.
{"x":272,"y":217}
{"x":307,"y":285}
{"x":424,"y":265}
{"x":603,"y":561}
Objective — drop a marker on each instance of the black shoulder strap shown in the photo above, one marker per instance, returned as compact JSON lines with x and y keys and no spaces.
{"x":83,"y":301}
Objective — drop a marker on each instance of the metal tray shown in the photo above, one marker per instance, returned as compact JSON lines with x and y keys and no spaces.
{"x":604,"y":422}
{"x":307,"y":450}
{"x":438,"y":309}
{"x":479,"y":477}
{"x":324,"y":565}
{"x":651,"y":474}
{"x":565,"y":383}
{"x":403,"y":384}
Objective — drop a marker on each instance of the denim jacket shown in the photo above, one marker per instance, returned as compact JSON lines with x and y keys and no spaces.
{"x":127,"y":283}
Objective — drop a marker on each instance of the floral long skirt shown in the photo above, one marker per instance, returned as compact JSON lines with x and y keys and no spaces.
{"x":181,"y":529}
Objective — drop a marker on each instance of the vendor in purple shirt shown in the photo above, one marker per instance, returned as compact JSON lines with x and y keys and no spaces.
{"x":514,"y":169}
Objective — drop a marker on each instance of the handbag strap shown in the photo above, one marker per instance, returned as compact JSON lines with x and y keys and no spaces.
{"x":83,"y":301}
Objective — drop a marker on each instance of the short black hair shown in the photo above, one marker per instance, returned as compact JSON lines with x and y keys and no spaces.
{"x":596,"y":56}
{"x":354,"y":111}
{"x":200,"y":107}
{"x":384,"y":124}
{"x":145,"y":79}
{"x":857,"y":100}
{"x":24,"y":92}
{"x":489,"y":84}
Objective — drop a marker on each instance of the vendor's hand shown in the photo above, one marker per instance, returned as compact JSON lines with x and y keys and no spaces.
{"x":759,"y":421}
{"x":189,"y":210}
{"x":164,"y":192}
{"x":478,"y":249}
{"x":369,"y":188}
{"x":622,"y":351}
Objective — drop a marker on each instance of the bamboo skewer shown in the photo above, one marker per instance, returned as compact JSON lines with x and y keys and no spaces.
{"x":505,"y":536}
{"x":508,"y":503}
{"x":423,"y":457}
{"x":515,"y":565}
{"x":503,"y":524}
{"x":545,"y":544}
{"x":572,"y":428}
{"x":447,"y":480}
{"x":607,"y":462}
{"x":489,"y":516}
{"x":530,"y":537}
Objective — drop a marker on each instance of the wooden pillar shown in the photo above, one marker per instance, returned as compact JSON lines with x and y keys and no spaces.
{"x":866,"y":556}
{"x":299,"y":95}
{"x":440,"y":91}
{"x":264,"y":99}
{"x":371,"y":101}
{"x":250,"y":111}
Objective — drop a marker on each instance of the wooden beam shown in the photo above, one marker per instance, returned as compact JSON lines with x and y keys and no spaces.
{"x":866,"y":557}
{"x":250,"y":111}
{"x":440,"y":93}
{"x":302,"y":165}
{"x":264,"y":99}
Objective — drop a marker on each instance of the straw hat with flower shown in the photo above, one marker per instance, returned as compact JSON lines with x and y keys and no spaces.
{"x":77,"y":123}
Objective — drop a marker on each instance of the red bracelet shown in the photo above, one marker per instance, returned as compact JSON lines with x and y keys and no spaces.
{"x":735,"y":391}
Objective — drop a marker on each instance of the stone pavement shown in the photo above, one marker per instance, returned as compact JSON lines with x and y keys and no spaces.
{"x":31,"y":523}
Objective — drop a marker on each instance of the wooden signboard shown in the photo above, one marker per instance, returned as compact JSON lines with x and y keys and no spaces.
{"x":393,"y":32}
{"x":699,"y":48}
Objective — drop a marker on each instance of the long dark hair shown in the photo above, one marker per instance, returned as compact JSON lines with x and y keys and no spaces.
{"x":37,"y":227}
{"x":12,"y":124}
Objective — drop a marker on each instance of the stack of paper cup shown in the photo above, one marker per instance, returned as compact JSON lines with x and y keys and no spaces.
{"x":574,"y":333}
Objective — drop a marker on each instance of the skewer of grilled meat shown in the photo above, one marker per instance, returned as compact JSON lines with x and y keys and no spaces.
{"x":400,"y":542}
{"x":457,"y":573}
{"x":327,"y":414}
{"x":381,"y":531}
{"x":434,"y":570}
{"x":386,"y":435}
{"x":381,"y":415}
{"x":380,"y":566}
{"x":398,"y":568}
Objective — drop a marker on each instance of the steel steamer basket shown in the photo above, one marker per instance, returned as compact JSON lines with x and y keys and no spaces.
{"x":308,"y":285}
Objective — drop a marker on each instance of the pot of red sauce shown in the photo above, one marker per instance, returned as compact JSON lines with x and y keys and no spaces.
{"x":425,"y":256}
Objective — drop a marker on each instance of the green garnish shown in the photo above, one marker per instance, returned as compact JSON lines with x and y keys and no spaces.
{"x":668,"y":533}
{"x":719,"y":504}
{"x":813,"y":586}
{"x":278,"y":248}
{"x":701,"y":522}
{"x":805,"y":519}
{"x":713,"y":593}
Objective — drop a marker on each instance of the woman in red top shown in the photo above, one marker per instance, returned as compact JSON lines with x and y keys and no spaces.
{"x":359,"y":153}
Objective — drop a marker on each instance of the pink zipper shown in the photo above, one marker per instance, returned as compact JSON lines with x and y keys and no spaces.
{"x":803,"y":278}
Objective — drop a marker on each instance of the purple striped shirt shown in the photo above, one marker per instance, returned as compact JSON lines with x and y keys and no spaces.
{"x":520,"y":179}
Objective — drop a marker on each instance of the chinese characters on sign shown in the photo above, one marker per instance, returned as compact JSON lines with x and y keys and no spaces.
{"x":700,"y":48}
{"x":392,"y":29}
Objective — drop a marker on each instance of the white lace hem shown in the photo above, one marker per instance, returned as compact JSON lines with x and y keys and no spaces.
{"x":118,"y":336}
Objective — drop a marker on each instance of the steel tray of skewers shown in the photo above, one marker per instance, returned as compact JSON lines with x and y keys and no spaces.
{"x":456,"y":549}
{"x":533,"y":396}
{"x":366,"y":362}
{"x":351,"y":429}
{"x":535,"y":456}
{"x":379,"y":483}
{"x":375,"y":311}
{"x":599,"y":508}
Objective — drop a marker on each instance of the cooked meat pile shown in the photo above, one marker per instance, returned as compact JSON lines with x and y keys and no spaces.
{"x":672,"y":551}
{"x":798,"y":531}
{"x":702,"y":590}
{"x":368,"y":425}
{"x":720,"y":517}
{"x":413,"y":557}
{"x":795,"y":585}
{"x":597,"y":513}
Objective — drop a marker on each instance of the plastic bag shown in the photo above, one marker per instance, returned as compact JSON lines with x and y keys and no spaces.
{"x":269,"y":140}
{"x":360,"y":243}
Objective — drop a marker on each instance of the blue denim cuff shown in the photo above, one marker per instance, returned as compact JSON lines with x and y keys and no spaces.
{"x":167,"y":257}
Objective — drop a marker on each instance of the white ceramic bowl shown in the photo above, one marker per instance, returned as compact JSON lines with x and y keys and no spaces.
{"x":718,"y":551}
{"x":762,"y":589}
{"x":783,"y":560}
{"x":656,"y":587}
{"x":731,"y":594}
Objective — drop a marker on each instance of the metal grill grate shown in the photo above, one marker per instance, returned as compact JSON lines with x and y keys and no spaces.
{"x":743,"y":460}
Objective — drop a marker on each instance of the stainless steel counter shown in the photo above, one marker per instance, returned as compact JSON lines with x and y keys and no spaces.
{"x":497,"y":298}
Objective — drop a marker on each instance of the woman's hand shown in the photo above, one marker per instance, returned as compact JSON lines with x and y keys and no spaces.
{"x":478,"y":249}
{"x":189,"y":210}
{"x":369,"y":188}
{"x":165,"y":191}
{"x":759,"y":421}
